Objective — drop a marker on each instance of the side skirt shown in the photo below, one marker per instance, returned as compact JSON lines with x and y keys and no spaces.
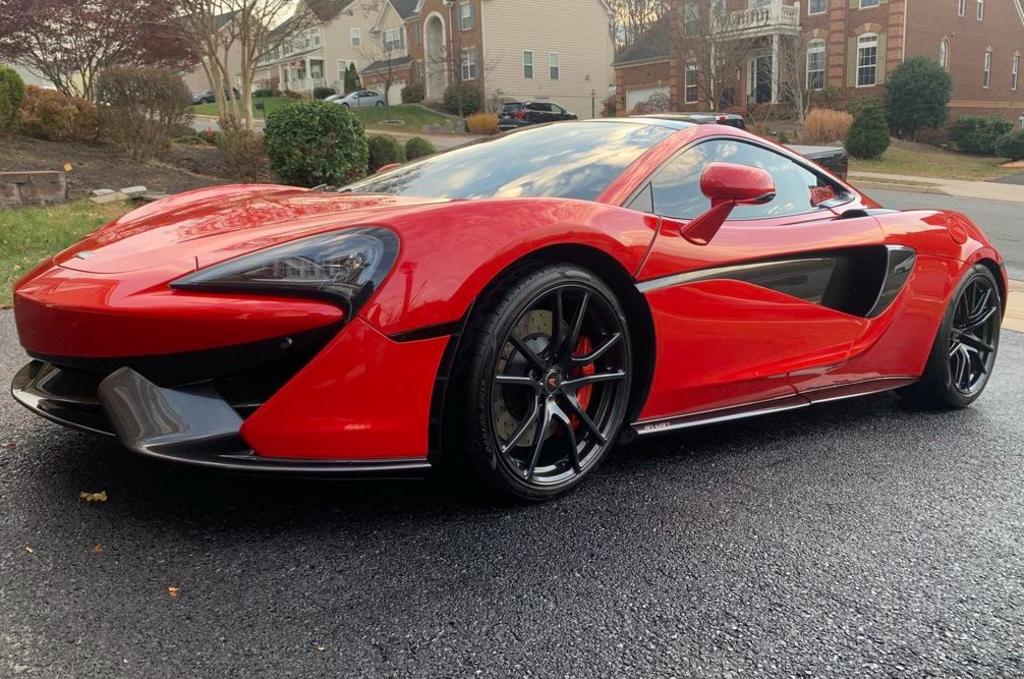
{"x":775,"y":405}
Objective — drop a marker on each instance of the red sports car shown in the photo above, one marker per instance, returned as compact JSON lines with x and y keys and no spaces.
{"x":518,"y":305}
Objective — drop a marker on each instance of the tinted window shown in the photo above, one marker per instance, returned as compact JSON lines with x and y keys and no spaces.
{"x":557,"y":109}
{"x":508,"y":109}
{"x":677,"y":186}
{"x":568,"y":160}
{"x":546,"y":108}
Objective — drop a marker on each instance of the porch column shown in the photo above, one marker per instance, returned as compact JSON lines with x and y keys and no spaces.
{"x":775,"y":68}
{"x":309,"y":76}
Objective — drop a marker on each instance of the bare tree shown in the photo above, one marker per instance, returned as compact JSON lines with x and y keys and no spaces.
{"x":249,"y":29}
{"x":710,"y":40}
{"x":631,"y":18}
{"x":797,"y":82}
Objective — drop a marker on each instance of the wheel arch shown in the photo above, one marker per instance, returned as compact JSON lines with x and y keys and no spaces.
{"x":997,"y":273}
{"x":640,"y":323}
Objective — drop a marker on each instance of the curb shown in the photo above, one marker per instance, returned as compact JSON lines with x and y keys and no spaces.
{"x":898,"y":186}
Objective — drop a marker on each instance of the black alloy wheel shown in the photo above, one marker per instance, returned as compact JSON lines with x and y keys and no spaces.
{"x":550,"y":381}
{"x":965,"y":347}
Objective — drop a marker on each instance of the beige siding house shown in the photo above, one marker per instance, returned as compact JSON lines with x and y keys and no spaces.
{"x":559,"y":51}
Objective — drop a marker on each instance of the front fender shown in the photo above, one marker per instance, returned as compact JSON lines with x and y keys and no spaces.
{"x":442,"y":269}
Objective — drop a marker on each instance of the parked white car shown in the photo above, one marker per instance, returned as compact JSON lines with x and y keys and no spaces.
{"x":359,"y":99}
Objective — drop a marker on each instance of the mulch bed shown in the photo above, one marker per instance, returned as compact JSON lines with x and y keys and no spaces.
{"x":98,"y":166}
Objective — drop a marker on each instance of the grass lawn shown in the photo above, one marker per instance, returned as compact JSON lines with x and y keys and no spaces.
{"x":414,"y":117}
{"x":31,"y":234}
{"x":942,"y":164}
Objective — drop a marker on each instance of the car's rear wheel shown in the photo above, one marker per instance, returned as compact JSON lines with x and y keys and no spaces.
{"x":380,"y":104}
{"x":964,"y":351}
{"x":545,"y":383}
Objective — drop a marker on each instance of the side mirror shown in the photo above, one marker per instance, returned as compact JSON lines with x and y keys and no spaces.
{"x":727,"y":185}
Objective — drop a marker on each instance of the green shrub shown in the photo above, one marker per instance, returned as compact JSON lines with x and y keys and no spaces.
{"x":471,"y":99}
{"x":323,"y":92}
{"x":978,"y":134}
{"x":854,"y":106}
{"x":48,"y":114}
{"x":315,"y":142}
{"x":352,"y":79}
{"x":917,"y":96}
{"x":384,"y":150}
{"x":1011,"y":145}
{"x":265,"y":92}
{"x":869,"y":135}
{"x":418,"y":147}
{"x":413,"y":94}
{"x":12,"y":93}
{"x":142,"y":107}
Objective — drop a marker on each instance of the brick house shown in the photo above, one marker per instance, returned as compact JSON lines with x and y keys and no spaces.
{"x":509,"y":49}
{"x":841,"y":49}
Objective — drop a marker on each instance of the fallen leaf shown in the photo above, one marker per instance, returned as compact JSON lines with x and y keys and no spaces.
{"x":67,"y":167}
{"x":97,"y":548}
{"x":28,"y":548}
{"x":94,"y":497}
{"x":172,"y":592}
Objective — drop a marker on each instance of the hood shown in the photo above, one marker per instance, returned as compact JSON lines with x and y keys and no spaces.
{"x":196,"y":229}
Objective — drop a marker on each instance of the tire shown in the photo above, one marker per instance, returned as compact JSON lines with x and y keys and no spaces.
{"x":530,"y":419}
{"x":380,"y":104}
{"x":965,"y":347}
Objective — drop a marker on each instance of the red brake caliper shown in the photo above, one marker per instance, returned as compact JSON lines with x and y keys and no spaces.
{"x":583,"y":347}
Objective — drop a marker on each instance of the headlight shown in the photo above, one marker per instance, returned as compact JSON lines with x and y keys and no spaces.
{"x":345,"y":267}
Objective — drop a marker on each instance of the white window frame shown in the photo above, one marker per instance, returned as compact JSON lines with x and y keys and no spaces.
{"x":554,"y":66}
{"x":981,"y":10}
{"x":810,"y":5}
{"x":342,"y":70}
{"x":318,"y":39}
{"x":464,"y":16}
{"x":944,"y":53}
{"x":1015,"y":72}
{"x":986,"y":70}
{"x":469,"y":63}
{"x":691,"y":71}
{"x":393,"y":40}
{"x":355,"y":36}
{"x":961,"y":8}
{"x":816,"y":46}
{"x":528,"y":64}
{"x":866,"y":41}
{"x":868,"y":4}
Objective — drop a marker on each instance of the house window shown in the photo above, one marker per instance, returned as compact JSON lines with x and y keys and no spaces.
{"x":867,"y":59}
{"x":342,"y":67}
{"x":944,"y":54}
{"x":466,"y":16}
{"x":868,"y":3}
{"x":690,"y":91}
{"x":1015,"y":71}
{"x":817,"y":6}
{"x":394,"y":40}
{"x":981,"y":9}
{"x":986,"y":74}
{"x":961,"y":7}
{"x":816,"y":65}
{"x":528,"y":65}
{"x":317,"y":39}
{"x":691,"y":19}
{"x":553,"y":68}
{"x":286,"y":48}
{"x":469,"y":63}
{"x":356,"y":34}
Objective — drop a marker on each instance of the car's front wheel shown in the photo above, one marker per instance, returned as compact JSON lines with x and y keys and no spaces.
{"x":964,"y":351}
{"x":380,"y":104}
{"x":545,"y":382}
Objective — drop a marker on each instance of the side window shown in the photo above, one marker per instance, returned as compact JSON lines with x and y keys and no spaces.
{"x":677,"y":194}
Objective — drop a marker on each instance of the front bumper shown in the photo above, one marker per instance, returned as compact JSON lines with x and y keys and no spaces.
{"x":192,"y":424}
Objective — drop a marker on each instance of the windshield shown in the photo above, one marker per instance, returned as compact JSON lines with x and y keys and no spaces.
{"x":565,"y":160}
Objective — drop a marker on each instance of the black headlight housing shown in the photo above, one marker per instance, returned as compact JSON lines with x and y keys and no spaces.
{"x":344,"y":267}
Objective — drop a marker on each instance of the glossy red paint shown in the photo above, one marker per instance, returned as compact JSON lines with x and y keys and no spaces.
{"x":367,"y":396}
{"x":364,"y":397}
{"x":738,"y":184}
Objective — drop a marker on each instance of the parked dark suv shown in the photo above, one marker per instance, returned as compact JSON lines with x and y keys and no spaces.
{"x":522,"y":113}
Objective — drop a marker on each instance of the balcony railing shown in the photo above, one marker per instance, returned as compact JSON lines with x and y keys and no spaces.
{"x":772,"y":17}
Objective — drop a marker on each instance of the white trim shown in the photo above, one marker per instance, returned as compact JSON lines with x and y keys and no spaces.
{"x":980,"y":13}
{"x":355,"y":33}
{"x":532,"y":65}
{"x":961,"y":8}
{"x":1015,"y":72}
{"x":861,"y":4}
{"x":811,"y":14}
{"x":818,"y":46}
{"x":986,"y":69}
{"x":874,"y":79}
{"x":556,"y":65}
{"x":690,"y":68}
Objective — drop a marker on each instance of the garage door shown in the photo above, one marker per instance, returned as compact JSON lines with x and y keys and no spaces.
{"x":395,"y":93}
{"x":634,"y":97}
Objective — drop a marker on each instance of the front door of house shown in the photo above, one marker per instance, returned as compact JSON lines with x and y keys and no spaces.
{"x":760,"y":91}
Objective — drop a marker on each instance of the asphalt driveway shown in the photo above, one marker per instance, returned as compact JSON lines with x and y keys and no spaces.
{"x":853,"y":539}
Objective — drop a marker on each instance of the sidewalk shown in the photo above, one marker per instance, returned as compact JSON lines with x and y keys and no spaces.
{"x":1014,"y":319}
{"x":442,"y":142}
{"x":950,"y":187}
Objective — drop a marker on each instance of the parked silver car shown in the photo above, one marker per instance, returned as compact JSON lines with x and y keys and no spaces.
{"x":359,"y":99}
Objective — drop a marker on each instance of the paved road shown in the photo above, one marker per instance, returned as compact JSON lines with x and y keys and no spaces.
{"x":1003,"y":222}
{"x":856,"y":539}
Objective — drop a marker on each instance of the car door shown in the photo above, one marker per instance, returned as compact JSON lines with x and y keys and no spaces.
{"x":777,"y":290}
{"x":559,"y":113}
{"x":538,"y":112}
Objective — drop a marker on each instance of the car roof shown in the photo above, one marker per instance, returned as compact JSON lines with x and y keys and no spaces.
{"x":671,"y":122}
